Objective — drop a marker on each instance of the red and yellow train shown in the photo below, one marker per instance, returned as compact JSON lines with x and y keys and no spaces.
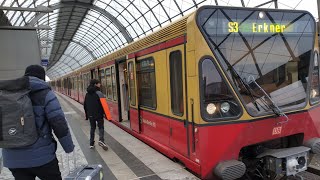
{"x":229,"y":92}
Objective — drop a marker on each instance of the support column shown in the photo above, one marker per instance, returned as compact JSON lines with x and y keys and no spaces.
{"x":318,"y":24}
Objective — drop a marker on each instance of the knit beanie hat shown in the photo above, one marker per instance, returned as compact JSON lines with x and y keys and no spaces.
{"x":36,"y":71}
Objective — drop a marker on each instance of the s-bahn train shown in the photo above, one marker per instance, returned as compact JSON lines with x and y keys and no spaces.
{"x":232,"y":93}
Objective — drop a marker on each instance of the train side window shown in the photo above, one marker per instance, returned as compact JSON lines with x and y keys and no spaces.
{"x":147,"y":83}
{"x":176,"y":83}
{"x":217,"y":101}
{"x":109,"y":85}
{"x":80,"y":83}
{"x":314,"y":92}
{"x":114,"y":89}
{"x":88,"y":79}
{"x":132,"y":84}
{"x":103,"y":81}
{"x":76,"y":83}
{"x":85,"y":83}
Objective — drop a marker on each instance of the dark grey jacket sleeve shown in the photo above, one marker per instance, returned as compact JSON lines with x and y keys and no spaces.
{"x":57,"y":121}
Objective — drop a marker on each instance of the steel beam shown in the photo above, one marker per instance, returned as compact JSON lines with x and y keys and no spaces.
{"x":265,"y":3}
{"x":276,"y":4}
{"x":113,"y":19}
{"x":41,"y":27}
{"x":42,"y":9}
{"x":318,"y":2}
{"x":242,"y":3}
{"x":80,"y":44}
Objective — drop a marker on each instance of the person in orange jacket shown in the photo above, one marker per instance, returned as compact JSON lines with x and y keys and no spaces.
{"x":94,"y":112}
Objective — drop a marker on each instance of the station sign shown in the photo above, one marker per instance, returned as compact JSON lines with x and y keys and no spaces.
{"x":44,"y":62}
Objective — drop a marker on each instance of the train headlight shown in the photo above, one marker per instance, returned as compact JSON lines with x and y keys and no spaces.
{"x":313,"y":93}
{"x":225,"y":107}
{"x":211,"y":108}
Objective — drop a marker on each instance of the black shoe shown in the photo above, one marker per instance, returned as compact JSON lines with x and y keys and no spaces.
{"x":103,"y":145}
{"x":91,"y":145}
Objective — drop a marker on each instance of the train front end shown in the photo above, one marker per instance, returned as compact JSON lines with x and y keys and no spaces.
{"x":258,"y":76}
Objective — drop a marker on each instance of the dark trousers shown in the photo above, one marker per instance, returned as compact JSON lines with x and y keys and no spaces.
{"x":49,"y":171}
{"x":93,"y":124}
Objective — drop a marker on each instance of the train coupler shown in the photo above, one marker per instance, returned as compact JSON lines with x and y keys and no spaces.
{"x":287,"y":160}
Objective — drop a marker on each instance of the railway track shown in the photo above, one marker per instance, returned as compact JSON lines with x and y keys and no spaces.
{"x":307,"y":175}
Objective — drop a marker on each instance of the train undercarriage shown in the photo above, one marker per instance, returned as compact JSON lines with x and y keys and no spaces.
{"x":279,"y":159}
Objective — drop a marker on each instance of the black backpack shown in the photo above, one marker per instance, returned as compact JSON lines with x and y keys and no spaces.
{"x":17,"y":121}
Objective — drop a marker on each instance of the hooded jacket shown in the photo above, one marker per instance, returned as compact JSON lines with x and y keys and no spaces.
{"x":92,"y":104}
{"x":48,"y":113}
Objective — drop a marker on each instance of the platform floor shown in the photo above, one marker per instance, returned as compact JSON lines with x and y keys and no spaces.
{"x":127,"y":157}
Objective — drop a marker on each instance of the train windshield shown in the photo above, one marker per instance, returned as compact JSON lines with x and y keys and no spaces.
{"x":273,"y":47}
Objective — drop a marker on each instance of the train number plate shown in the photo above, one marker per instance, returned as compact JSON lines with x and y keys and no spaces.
{"x":276,"y":130}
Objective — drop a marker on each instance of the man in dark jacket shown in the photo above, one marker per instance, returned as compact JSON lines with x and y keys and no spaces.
{"x":94,"y":112}
{"x":39,"y":159}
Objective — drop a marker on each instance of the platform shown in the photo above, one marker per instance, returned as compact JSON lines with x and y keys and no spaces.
{"x":127,"y":157}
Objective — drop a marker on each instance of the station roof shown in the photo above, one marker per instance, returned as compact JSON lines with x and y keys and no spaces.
{"x":73,"y":33}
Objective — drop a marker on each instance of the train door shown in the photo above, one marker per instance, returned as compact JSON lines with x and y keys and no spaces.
{"x":178,"y":124}
{"x":122,"y":85}
{"x":134,"y":108}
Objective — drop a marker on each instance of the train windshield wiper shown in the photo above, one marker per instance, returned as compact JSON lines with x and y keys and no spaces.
{"x":244,"y":84}
{"x":271,"y":105}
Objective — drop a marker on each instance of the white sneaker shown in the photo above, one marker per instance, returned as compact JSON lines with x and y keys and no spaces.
{"x":103,"y":145}
{"x":91,"y":147}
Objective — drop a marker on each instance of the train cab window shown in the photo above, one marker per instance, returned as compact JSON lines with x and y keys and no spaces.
{"x":147,"y":83}
{"x":132,"y":84}
{"x":103,"y":81}
{"x":113,"y":77}
{"x":176,"y":83}
{"x":217,"y":101}
{"x":109,"y":85}
{"x":314,"y":92}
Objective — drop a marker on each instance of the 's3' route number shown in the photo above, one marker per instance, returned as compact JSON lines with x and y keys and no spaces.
{"x":233,"y":26}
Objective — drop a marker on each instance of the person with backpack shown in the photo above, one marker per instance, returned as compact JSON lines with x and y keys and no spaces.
{"x":39,"y":159}
{"x":94,"y":112}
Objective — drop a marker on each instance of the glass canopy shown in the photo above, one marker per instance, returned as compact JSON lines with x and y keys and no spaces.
{"x":86,"y":30}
